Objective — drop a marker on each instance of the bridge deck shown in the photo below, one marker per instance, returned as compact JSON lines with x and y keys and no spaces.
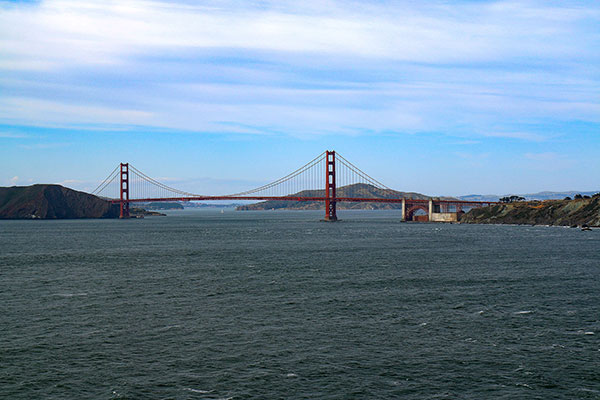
{"x":296,"y":198}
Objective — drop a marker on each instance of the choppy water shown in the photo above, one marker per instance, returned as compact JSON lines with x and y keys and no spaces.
{"x":277,"y":305}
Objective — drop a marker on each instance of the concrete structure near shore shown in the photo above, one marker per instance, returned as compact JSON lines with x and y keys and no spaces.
{"x":444,"y":217}
{"x":433,"y":210}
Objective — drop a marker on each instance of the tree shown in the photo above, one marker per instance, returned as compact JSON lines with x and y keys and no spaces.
{"x":511,"y":199}
{"x":578,"y":196}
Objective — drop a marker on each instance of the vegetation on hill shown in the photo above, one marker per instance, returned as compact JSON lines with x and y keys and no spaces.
{"x":580,"y":211}
{"x":511,"y":199}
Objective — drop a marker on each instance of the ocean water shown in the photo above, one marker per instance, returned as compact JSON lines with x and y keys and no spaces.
{"x":277,"y":305}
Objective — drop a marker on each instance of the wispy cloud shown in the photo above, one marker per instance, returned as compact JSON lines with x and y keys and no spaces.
{"x":42,"y":146}
{"x":300,"y":68}
{"x":535,"y":137}
{"x":73,"y":181}
{"x":548,"y":161}
{"x":26,"y":108}
{"x":106,"y":32}
{"x":13,"y":135}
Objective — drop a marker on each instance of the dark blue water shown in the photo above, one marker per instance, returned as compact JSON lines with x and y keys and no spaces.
{"x":277,"y":305}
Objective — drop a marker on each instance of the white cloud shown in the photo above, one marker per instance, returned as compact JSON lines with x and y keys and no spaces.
{"x":299,"y":67}
{"x":13,"y":135}
{"x":62,"y":32}
{"x":13,"y":181}
{"x":24,"y":109}
{"x":43,"y":146}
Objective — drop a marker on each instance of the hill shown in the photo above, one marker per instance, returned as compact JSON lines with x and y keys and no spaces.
{"x":55,"y":202}
{"x":549,"y":212}
{"x":356,"y":190}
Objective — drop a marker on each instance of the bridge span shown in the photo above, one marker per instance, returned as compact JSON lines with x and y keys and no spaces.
{"x":329,"y":178}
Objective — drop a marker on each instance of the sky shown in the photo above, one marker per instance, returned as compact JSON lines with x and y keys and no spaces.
{"x":438,"y":97}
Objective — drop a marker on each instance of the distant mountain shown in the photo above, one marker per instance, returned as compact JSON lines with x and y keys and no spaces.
{"x":480,"y":197}
{"x":162,"y":206}
{"x":528,"y":196}
{"x":194,"y":204}
{"x":357,"y":190}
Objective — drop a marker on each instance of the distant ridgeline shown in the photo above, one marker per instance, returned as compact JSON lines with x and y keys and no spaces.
{"x":55,"y":202}
{"x":527,"y":196}
{"x":579,"y":211}
{"x":358,"y":190}
{"x":163,"y":206}
{"x":180,"y":205}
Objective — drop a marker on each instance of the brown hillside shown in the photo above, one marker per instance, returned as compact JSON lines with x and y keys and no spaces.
{"x":52,"y":202}
{"x":549,"y":212}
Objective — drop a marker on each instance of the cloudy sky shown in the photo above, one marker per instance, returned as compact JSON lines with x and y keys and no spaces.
{"x":440,"y":97}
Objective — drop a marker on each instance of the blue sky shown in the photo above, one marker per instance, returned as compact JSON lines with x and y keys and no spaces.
{"x":439,"y":97}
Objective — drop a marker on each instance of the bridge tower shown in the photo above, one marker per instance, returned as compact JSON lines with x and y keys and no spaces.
{"x":124,"y":191}
{"x":330,"y":208}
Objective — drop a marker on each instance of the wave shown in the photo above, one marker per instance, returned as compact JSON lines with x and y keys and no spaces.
{"x":198,"y":390}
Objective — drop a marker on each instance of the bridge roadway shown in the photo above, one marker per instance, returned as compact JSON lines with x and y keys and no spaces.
{"x":297,"y":198}
{"x":431,"y":206}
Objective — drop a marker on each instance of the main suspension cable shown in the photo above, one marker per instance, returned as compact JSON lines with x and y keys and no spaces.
{"x":297,"y":172}
{"x":106,"y":181}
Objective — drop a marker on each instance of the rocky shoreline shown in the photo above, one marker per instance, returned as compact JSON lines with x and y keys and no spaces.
{"x":577,"y":212}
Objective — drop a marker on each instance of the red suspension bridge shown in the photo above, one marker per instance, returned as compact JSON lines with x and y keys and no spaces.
{"x":328,"y":178}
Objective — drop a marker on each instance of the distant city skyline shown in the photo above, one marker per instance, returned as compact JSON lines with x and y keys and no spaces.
{"x":438,"y":97}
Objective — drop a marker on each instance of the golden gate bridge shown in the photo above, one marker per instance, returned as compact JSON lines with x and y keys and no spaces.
{"x":328,"y":178}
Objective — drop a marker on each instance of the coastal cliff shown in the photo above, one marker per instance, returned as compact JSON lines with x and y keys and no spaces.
{"x":52,"y":202}
{"x":56,"y":202}
{"x":550,"y":212}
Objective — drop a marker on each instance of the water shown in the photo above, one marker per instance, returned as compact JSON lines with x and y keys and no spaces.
{"x":269,"y":305}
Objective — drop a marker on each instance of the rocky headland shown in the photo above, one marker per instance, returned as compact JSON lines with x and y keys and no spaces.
{"x":575,"y":212}
{"x":56,"y":202}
